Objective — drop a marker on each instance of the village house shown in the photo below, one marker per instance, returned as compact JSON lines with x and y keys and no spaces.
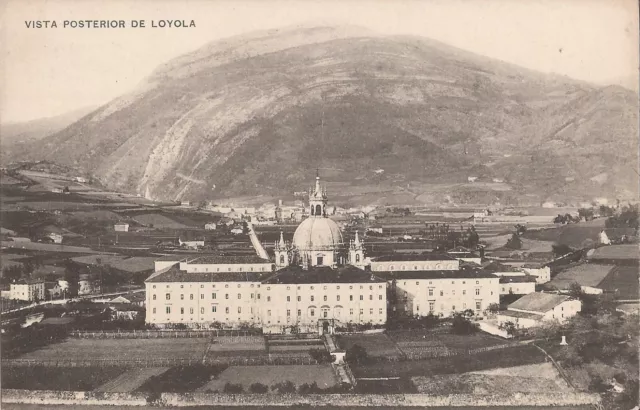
{"x":210,"y":226}
{"x":29,"y":290}
{"x":517,"y":285}
{"x":121,"y":227}
{"x":589,"y":276}
{"x":535,"y":308}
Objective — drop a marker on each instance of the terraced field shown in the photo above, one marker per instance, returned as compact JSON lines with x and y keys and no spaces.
{"x":130,"y":380}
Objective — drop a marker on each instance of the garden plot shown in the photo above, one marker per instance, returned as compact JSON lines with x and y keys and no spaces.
{"x":414,"y":342}
{"x":131,"y":380}
{"x":323,"y":375}
{"x":376,"y":345}
{"x":244,"y":346}
{"x":57,"y":378}
{"x":533,"y":378}
{"x":120,"y":349}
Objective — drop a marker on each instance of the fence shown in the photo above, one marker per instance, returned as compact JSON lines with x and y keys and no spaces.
{"x":160,"y":334}
{"x":439,"y":353}
{"x":557,"y":366}
{"x":165,"y":362}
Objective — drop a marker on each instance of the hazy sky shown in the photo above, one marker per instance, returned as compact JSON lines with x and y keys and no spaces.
{"x":47,"y":72}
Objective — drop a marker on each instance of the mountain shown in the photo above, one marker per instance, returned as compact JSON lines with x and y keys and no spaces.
{"x":383,"y":116}
{"x":18,"y":134}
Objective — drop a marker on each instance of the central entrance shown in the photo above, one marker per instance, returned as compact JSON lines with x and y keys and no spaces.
{"x":325,"y":327}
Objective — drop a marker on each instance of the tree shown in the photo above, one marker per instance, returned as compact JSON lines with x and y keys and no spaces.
{"x":356,"y":354}
{"x":585,"y":213}
{"x":232,"y":388}
{"x":510,"y":327}
{"x":320,"y":355}
{"x":514,"y":242}
{"x":494,"y":307}
{"x":461,"y":325}
{"x":258,"y":388}
{"x":286,"y":387}
{"x":307,"y":388}
{"x":560,"y":250}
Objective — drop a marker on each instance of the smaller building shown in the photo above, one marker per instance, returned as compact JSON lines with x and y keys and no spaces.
{"x":535,"y":308}
{"x":29,"y":290}
{"x":55,"y":237}
{"x":517,"y":285}
{"x":414,"y":262}
{"x":121,"y":227}
{"x":588,"y":276}
{"x":210,"y":226}
{"x":541,"y":272}
{"x":615,"y":254}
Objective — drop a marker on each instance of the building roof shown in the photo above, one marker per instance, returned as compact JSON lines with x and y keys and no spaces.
{"x":520,"y":315}
{"x":174,"y":274}
{"x":495,"y":266}
{"x":538,"y":302}
{"x":437,"y":274}
{"x":613,"y":252}
{"x":316,"y":233}
{"x":585,"y":274}
{"x":28,"y":281}
{"x":518,"y":279}
{"x":227,"y":259}
{"x":408,"y":257}
{"x":322,"y":274}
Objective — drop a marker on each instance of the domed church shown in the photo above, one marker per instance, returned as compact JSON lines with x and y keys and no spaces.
{"x":318,"y":241}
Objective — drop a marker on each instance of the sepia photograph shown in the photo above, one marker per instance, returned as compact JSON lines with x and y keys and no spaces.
{"x":283,"y":204}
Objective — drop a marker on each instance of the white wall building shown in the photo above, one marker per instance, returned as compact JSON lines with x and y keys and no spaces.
{"x":121,"y":227}
{"x":533,"y":309}
{"x":27,"y":289}
{"x":413,"y":262}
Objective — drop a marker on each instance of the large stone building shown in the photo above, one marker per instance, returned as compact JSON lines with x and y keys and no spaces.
{"x":315,"y":283}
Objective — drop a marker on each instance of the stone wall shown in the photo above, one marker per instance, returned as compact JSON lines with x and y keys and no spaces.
{"x":260,"y":400}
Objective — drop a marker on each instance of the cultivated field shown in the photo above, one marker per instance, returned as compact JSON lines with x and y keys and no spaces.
{"x":130,"y":380}
{"x":430,"y":342}
{"x":323,"y":375}
{"x":121,"y":349}
{"x":532,"y":378}
{"x":243,"y":346}
{"x":376,"y":345}
{"x":158,"y":221}
{"x":513,"y":356}
{"x":57,"y":378}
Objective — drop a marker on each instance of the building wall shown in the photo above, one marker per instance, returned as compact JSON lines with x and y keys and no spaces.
{"x":225,"y":267}
{"x":27,"y":292}
{"x":543,"y":275}
{"x":161,"y":265}
{"x":121,"y":228}
{"x":445,"y":296}
{"x":399,"y":266}
{"x":520,"y":322}
{"x":517,"y":288}
{"x":193,"y":302}
{"x":304,"y":304}
{"x":564,"y":311}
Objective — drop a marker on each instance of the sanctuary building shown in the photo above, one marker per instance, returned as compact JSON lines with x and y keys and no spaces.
{"x":315,"y":283}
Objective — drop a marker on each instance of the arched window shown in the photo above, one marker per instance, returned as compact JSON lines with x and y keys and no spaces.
{"x":318,"y":210}
{"x":357,"y":257}
{"x":281,"y":259}
{"x":312,"y":210}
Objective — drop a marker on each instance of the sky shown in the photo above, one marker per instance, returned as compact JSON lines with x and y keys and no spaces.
{"x":46,"y":72}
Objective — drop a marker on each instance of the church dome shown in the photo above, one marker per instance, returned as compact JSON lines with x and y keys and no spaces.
{"x":317,"y":234}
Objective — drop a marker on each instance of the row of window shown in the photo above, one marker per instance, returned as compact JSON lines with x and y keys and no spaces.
{"x":288,"y":287}
{"x":239,"y":269}
{"x":226,"y":296}
{"x":432,"y":306}
{"x":416,"y":267}
{"x":312,"y":312}
{"x":453,"y":292}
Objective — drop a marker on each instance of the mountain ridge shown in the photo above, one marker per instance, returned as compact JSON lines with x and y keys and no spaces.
{"x":217,"y":122}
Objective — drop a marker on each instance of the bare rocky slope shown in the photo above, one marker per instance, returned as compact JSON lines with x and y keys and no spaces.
{"x":257,"y":113}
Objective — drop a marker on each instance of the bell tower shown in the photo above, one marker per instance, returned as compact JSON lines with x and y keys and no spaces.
{"x":356,"y":252}
{"x":318,"y":200}
{"x":282,"y":254}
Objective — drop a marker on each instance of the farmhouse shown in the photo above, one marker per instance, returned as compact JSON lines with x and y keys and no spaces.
{"x":533,"y":309}
{"x":29,"y":290}
{"x":517,"y":285}
{"x":121,"y":227}
{"x":615,"y":254}
{"x":588,"y":276}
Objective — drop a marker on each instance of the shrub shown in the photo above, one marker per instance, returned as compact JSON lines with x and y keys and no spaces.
{"x":258,"y":388}
{"x":320,"y":355}
{"x":356,"y":354}
{"x":284,"y":387}
{"x":461,"y":325}
{"x":232,"y":388}
{"x":307,"y":388}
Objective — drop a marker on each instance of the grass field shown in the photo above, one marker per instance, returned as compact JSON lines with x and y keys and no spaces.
{"x":376,"y":345}
{"x":122,"y":349}
{"x":528,"y":378}
{"x":269,"y":375}
{"x":131,"y":380}
{"x":181,"y":379}
{"x":57,"y":378}
{"x":425,"y":341}
{"x":158,"y":221}
{"x":514,"y":356}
